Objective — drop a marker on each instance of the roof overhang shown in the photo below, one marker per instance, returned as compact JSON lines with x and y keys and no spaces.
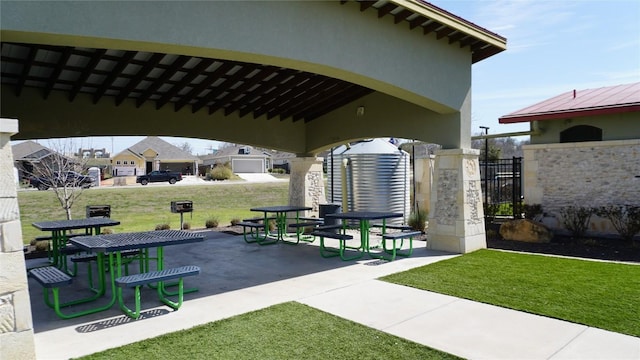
{"x":432,"y":19}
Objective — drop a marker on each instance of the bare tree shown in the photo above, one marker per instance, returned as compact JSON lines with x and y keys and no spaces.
{"x":185,"y":146}
{"x":59,"y":170}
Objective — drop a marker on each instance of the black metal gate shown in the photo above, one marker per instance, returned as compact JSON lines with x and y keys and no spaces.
{"x":502,"y":187}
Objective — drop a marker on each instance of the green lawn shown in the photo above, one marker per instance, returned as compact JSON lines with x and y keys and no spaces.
{"x":598,"y":294}
{"x":142,"y":208}
{"x":285,"y":331}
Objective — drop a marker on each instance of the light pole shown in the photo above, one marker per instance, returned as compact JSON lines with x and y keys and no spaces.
{"x":486,"y":166}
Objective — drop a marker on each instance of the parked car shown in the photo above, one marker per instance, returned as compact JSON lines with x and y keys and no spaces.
{"x":159,"y":176}
{"x":61,"y":179}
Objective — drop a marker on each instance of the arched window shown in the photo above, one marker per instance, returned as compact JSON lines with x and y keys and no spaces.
{"x":581,"y":133}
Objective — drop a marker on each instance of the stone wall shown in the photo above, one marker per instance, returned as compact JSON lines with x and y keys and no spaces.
{"x":589,"y":174}
{"x":16,"y":325}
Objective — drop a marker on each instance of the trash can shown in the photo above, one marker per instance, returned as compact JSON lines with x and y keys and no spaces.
{"x":94,"y":172}
{"x":330,"y":209}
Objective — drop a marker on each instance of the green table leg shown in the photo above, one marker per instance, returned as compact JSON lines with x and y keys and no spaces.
{"x":264,"y":240}
{"x":56,"y":305}
{"x":161,"y":286}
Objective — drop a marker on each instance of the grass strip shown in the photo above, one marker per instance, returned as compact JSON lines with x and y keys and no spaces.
{"x":285,"y":331}
{"x":598,"y":294}
{"x":141,"y":208}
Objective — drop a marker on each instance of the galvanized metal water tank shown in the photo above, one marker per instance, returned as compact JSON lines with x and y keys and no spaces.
{"x":377,"y":178}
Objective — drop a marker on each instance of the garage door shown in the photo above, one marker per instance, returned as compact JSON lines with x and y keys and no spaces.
{"x":247,"y":165}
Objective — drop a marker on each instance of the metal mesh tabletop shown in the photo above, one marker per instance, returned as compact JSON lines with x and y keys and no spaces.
{"x":364,"y":215}
{"x":137,"y":240}
{"x":281,"y":208}
{"x":74,"y":224}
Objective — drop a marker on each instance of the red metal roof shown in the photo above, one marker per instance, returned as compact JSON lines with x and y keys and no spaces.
{"x":577,"y":103}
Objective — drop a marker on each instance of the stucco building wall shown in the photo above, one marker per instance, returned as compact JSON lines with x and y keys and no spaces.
{"x":621,"y":126}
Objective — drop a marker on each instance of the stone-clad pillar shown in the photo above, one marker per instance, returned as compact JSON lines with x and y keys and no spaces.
{"x":306,"y":184}
{"x":456,"y":220}
{"x":16,"y":325}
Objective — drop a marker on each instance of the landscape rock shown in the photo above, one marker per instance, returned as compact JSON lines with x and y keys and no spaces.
{"x":525,"y":230}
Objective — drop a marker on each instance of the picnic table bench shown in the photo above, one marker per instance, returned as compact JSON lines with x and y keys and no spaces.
{"x":254,"y":232}
{"x":52,"y":279}
{"x":327,"y":252}
{"x":395,"y":250}
{"x":137,"y":280}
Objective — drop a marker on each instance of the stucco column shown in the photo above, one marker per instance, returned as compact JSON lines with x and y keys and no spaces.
{"x":423,"y":180}
{"x":456,"y":221}
{"x":306,"y":184}
{"x":16,"y":325}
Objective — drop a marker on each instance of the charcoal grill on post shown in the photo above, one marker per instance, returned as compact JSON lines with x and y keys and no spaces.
{"x":181,"y":207}
{"x":98,"y":211}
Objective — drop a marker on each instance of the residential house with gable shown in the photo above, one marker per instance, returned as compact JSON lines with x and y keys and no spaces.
{"x":29,"y":156}
{"x":241,"y":158}
{"x":153,"y":153}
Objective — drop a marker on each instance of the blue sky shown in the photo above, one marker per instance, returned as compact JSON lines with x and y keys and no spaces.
{"x":552,"y":47}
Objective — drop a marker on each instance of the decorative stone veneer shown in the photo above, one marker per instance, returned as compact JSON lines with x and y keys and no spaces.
{"x":456,"y":221}
{"x":306,"y":184}
{"x":589,"y":174}
{"x":16,"y":325}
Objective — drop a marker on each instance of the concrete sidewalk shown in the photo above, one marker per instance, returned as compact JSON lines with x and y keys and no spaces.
{"x":237,"y":278}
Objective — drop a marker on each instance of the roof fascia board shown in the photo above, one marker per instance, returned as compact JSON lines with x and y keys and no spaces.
{"x":459,"y":24}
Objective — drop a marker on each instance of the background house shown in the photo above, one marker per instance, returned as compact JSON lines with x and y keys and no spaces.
{"x":241,"y":158}
{"x":31,"y":158}
{"x":281,"y":160}
{"x":95,"y":158}
{"x":584,"y":151}
{"x":153,"y":153}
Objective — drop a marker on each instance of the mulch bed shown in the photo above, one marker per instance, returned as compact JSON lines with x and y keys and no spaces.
{"x":589,"y":248}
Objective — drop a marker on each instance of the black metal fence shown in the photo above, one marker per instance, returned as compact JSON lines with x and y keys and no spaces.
{"x":502,"y":187}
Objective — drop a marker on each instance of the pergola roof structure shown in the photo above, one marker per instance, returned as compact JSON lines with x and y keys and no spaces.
{"x":219,"y":85}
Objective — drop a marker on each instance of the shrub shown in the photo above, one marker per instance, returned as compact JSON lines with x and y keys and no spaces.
{"x":531,"y":212}
{"x":491,"y":210}
{"x":624,"y":218}
{"x":235,"y":221}
{"x":418,"y":220}
{"x":211,"y":222}
{"x":576,"y":219}
{"x":42,"y":245}
{"x":220,"y":173}
{"x":164,"y":226}
{"x":186,"y":226}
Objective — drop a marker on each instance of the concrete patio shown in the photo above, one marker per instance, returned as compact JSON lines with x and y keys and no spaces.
{"x":237,"y":278}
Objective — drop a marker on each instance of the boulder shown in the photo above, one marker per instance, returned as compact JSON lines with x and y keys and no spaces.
{"x":525,"y":230}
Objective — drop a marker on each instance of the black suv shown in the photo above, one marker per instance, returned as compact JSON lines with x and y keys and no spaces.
{"x":61,"y":179}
